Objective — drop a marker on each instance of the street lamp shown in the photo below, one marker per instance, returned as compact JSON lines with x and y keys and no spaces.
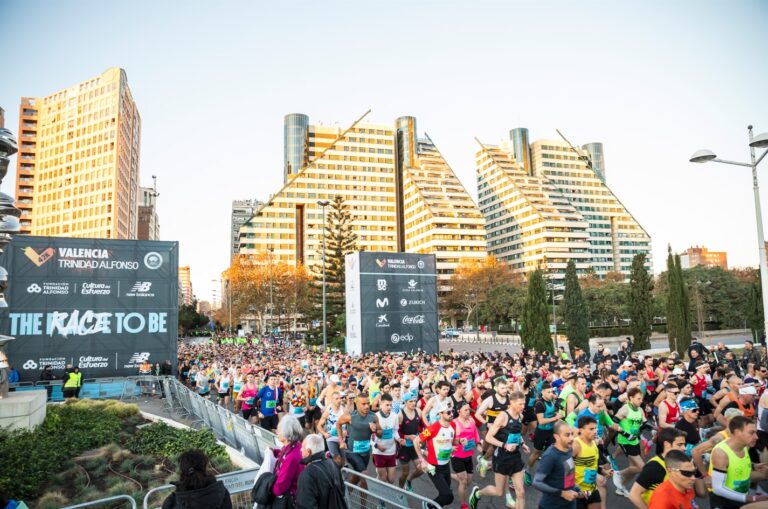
{"x":759,"y":141}
{"x":271,"y":303}
{"x":323,"y":204}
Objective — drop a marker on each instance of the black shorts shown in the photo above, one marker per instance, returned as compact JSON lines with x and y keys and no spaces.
{"x":717,"y":502}
{"x":762,"y":440}
{"x":507,"y":463}
{"x":269,"y":422}
{"x":602,"y":455}
{"x":460,"y":465}
{"x":247,"y":413}
{"x":407,"y":453}
{"x":528,"y":415}
{"x":358,"y":462}
{"x":543,"y":438}
{"x":594,"y":498}
{"x":313,"y":415}
{"x":631,"y":450}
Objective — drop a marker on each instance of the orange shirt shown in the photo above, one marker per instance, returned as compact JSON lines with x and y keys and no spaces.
{"x":666,"y":496}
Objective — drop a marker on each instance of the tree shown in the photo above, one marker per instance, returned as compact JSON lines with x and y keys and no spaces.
{"x":190,"y":319}
{"x":503,"y":304}
{"x":535,"y":333}
{"x":755,"y":320}
{"x":575,"y":310}
{"x":640,"y":303}
{"x":341,"y":240}
{"x":472,"y":281}
{"x":678,"y":306}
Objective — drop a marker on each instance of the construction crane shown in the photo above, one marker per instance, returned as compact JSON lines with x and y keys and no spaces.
{"x":587,"y":160}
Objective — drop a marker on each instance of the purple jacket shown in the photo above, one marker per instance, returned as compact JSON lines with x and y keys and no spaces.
{"x":287,"y":469}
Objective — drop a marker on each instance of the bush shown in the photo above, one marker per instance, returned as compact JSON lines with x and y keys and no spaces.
{"x":161,"y":440}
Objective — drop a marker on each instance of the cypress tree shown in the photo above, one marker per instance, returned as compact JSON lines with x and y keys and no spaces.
{"x":678,"y":306}
{"x":575,"y":312}
{"x":535,"y":333}
{"x":684,"y":341}
{"x":672,"y":301}
{"x":640,"y":303}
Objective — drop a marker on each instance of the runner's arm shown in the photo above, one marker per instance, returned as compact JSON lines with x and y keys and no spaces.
{"x":700,"y":450}
{"x":490,"y":437}
{"x":719,"y":475}
{"x":636,"y":496}
{"x":480,"y":414}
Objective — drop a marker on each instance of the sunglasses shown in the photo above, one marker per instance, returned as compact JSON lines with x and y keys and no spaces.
{"x":684,"y":473}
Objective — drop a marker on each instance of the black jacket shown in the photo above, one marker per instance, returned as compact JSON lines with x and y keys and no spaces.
{"x":213,"y":496}
{"x":313,"y":490}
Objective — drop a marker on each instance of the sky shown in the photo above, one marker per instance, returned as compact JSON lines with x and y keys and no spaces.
{"x":654,"y":81}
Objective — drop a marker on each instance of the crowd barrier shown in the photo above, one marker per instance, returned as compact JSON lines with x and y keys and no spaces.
{"x":238,"y":484}
{"x":485,"y":338}
{"x":129,"y":388}
{"x":378,"y":494}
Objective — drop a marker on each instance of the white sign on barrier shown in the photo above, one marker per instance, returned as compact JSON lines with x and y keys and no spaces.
{"x":239,"y":481}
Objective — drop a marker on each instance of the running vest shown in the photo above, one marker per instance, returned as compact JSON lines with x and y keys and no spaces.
{"x":330,"y":423}
{"x":496,"y":408}
{"x":409,"y":426}
{"x":510,"y":434}
{"x":739,"y":469}
{"x":586,"y":466}
{"x":673,"y":413}
{"x":550,"y":409}
{"x":749,"y":411}
{"x":631,"y":424}
{"x":647,"y":493}
{"x":388,"y":425}
{"x":567,"y":391}
{"x":359,"y":433}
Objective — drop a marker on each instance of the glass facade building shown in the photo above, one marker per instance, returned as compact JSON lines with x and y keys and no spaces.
{"x":595,"y":151}
{"x":296,"y":130}
{"x":521,"y":147}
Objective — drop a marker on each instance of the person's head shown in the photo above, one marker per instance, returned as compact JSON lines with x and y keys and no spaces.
{"x":669,"y":439}
{"x":747,"y":394}
{"x":362,"y":403}
{"x":385,"y":404}
{"x":748,"y":345}
{"x":563,"y":435}
{"x":272,"y":380}
{"x":465,"y":409}
{"x":546,"y":392}
{"x":193,"y":470}
{"x":312,"y":444}
{"x":670,"y":363}
{"x":587,"y":427}
{"x":734,"y":382}
{"x":289,"y":430}
{"x":336,"y":398}
{"x":443,"y":388}
{"x":672,"y":390}
{"x":743,"y":429}
{"x":635,"y":397}
{"x":501,"y":385}
{"x":690,"y":409}
{"x":596,"y":403}
{"x":680,"y":470}
{"x":444,"y":412}
{"x":516,"y":401}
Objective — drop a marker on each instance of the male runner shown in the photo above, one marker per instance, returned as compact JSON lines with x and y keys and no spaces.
{"x":631,"y":419}
{"x":586,"y":457}
{"x":410,"y":426}
{"x":655,"y":471}
{"x":385,"y":447}
{"x":361,"y":424}
{"x":555,"y":475}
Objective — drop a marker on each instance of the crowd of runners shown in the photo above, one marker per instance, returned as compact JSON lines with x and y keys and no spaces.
{"x":689,"y":427}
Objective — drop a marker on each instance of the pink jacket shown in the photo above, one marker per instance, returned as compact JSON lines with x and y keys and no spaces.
{"x":287,"y":469}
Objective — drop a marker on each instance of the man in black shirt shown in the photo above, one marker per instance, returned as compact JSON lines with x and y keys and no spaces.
{"x":555,"y":477}
{"x":689,"y":424}
{"x":654,"y":472}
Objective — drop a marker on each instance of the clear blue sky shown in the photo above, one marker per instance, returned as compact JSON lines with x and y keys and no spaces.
{"x":653,"y":81}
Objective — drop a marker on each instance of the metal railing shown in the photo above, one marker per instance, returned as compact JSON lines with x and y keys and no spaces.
{"x":102,"y":501}
{"x":129,"y":388}
{"x":238,"y":484}
{"x":485,"y":338}
{"x":381,"y":494}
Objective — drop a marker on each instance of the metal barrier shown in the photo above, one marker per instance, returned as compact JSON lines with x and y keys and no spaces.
{"x":97,"y":388}
{"x":102,"y":501}
{"x":238,"y":484}
{"x":485,"y":338}
{"x":380,"y":494}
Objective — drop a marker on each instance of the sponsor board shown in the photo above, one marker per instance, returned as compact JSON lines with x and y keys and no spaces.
{"x":91,"y":362}
{"x":137,"y":359}
{"x":38,"y":363}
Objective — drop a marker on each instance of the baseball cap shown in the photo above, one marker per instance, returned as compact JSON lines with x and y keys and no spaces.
{"x":747,"y":390}
{"x":408,"y":396}
{"x":627,"y":363}
{"x":688,"y":404}
{"x":335,"y":379}
{"x":442,"y":407}
{"x":678,"y":371}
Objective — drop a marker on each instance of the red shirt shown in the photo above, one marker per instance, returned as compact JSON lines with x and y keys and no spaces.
{"x":666,"y":496}
{"x":439,"y":441}
{"x":673,"y":412}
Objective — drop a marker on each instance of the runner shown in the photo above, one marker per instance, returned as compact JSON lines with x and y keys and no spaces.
{"x":410,"y":426}
{"x":555,"y":476}
{"x":631,"y":419}
{"x":361,"y":423}
{"x":489,"y":409}
{"x":439,"y":438}
{"x":505,"y":435}
{"x":732,"y":467}
{"x":247,"y":399}
{"x":547,"y":414}
{"x":270,"y":403}
{"x":326,"y":426}
{"x":586,"y":458}
{"x":468,"y":439}
{"x":385,"y":446}
{"x":655,"y":471}
{"x":677,"y":491}
{"x":222,"y":385}
{"x":669,"y":409}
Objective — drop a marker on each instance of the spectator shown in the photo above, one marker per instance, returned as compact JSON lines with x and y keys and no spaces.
{"x":13,"y":376}
{"x":145,"y":368}
{"x":600,"y":355}
{"x":73,"y":380}
{"x":700,"y":349}
{"x":197,"y":488}
{"x":320,"y":484}
{"x":288,"y":465}
{"x":580,"y":356}
{"x":46,"y":375}
{"x":166,"y":369}
{"x":750,"y":355}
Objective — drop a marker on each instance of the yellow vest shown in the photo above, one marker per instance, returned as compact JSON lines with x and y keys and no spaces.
{"x":586,"y":466}
{"x":73,"y":381}
{"x":646,"y":496}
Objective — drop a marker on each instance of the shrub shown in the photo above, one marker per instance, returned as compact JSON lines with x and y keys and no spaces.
{"x":161,"y":440}
{"x":53,"y":500}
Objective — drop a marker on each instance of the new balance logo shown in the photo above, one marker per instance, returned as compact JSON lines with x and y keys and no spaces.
{"x":138,"y":357}
{"x":142,"y":286}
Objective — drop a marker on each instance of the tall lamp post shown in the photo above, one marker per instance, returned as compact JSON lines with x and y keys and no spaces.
{"x":759,"y":141}
{"x":323,"y":204}
{"x":271,"y":303}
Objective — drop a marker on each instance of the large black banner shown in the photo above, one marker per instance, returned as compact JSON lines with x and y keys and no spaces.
{"x":391,"y":302}
{"x":105,"y":305}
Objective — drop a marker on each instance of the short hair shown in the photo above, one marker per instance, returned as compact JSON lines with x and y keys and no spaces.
{"x":594,"y":397}
{"x":667,"y":435}
{"x":585,"y":420}
{"x":675,"y":458}
{"x":441,"y":384}
{"x":558,"y":426}
{"x":545,"y":386}
{"x":604,"y":387}
{"x":314,"y":443}
{"x":738,"y":423}
{"x":516,"y":395}
{"x":386,"y":397}
{"x":290,"y":428}
{"x":634,"y":391}
{"x":671,"y":385}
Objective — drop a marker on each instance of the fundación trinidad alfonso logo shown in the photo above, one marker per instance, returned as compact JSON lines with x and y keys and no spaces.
{"x":39,"y":258}
{"x":381,"y":263}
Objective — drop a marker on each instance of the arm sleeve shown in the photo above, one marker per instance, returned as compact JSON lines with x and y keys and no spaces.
{"x":719,"y":487}
{"x":539,"y":484}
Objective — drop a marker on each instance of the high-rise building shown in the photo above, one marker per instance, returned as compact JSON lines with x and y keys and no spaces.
{"x":242,"y":211}
{"x":701,"y":256}
{"x":149,"y":222}
{"x":78,"y":164}
{"x":544,"y":206}
{"x":186,"y":297}
{"x":401,"y":193}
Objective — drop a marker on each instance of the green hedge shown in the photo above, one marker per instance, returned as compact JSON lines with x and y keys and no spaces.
{"x":162,"y":440}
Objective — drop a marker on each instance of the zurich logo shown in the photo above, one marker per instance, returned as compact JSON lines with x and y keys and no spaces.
{"x":34,"y":288}
{"x":30,"y":364}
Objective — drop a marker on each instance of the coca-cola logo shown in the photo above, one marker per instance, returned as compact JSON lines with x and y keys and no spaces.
{"x":413,"y":320}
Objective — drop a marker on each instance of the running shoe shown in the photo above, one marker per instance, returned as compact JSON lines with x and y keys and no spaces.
{"x":528,"y":479}
{"x":408,"y":486}
{"x":474,"y":496}
{"x":622,"y":492}
{"x":618,"y":482}
{"x":464,"y":506}
{"x":482,"y":465}
{"x":510,"y":500}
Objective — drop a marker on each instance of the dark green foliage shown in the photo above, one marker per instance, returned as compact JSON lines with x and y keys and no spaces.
{"x":29,"y":458}
{"x":535,"y":333}
{"x":575,"y":310}
{"x":755,"y":319}
{"x":161,"y":440}
{"x":503,"y":303}
{"x":678,"y":306}
{"x":340,"y":240}
{"x":190,"y":319}
{"x":640,"y":303}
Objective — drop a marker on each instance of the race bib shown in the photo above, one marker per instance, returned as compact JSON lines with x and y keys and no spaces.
{"x":590,"y":476}
{"x":249,"y":401}
{"x":361,"y":446}
{"x":443,"y":454}
{"x":513,"y":438}
{"x":741,"y":486}
{"x":469,"y":446}
{"x":271,"y":403}
{"x":531,"y":401}
{"x":408,"y":442}
{"x":312,"y":401}
{"x":387,"y":433}
{"x":237,"y":387}
{"x":298,"y":410}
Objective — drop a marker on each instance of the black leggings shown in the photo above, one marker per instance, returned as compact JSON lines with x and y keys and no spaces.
{"x":442,"y":481}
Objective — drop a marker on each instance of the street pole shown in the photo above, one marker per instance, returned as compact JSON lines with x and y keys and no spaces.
{"x":325,"y":329}
{"x":554,"y":321}
{"x":271,"y":303}
{"x":760,"y":234}
{"x":229,"y":305}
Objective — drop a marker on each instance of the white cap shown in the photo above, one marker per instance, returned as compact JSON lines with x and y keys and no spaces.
{"x":747,"y":390}
{"x":678,"y":371}
{"x":442,"y":406}
{"x":627,"y":363}
{"x":335,"y":378}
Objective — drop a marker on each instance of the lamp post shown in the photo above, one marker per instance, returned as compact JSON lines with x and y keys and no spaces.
{"x":323,"y":204}
{"x":759,"y":141}
{"x":271,"y":303}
